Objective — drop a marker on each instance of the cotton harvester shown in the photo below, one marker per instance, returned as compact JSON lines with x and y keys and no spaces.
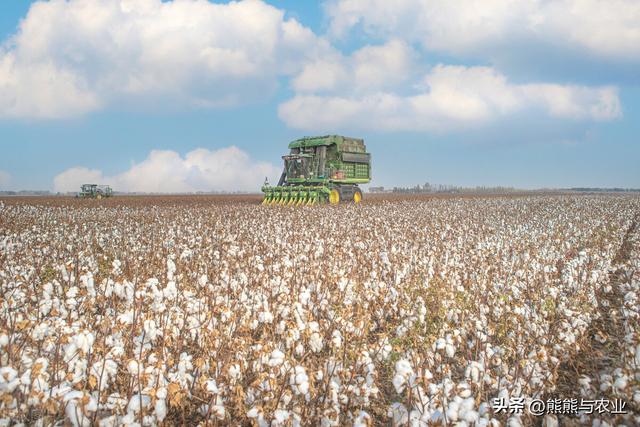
{"x":94,"y":191}
{"x":321,"y":169}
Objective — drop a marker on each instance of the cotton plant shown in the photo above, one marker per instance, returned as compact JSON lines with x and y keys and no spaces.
{"x":410,"y":312}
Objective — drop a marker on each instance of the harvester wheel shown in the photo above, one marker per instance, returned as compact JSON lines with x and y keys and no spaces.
{"x":334,"y":196}
{"x":357,"y":197}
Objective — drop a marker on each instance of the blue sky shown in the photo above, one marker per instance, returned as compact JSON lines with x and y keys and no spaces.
{"x":157,"y":96}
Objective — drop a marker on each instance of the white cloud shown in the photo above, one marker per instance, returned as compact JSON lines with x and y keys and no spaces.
{"x":73,"y":178}
{"x":449,"y":97}
{"x":609,"y":28}
{"x":73,"y":57}
{"x":165,"y":171}
{"x":371,"y":67}
{"x":5,"y":180}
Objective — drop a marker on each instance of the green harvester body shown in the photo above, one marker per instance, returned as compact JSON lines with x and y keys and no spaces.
{"x":321,"y":169}
{"x":94,"y":191}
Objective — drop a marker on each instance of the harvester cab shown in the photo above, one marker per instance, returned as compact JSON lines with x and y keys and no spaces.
{"x":319,"y":170}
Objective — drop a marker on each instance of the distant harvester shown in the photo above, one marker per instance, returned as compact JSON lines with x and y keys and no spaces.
{"x":94,"y":191}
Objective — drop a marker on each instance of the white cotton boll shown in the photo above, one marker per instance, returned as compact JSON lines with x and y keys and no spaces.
{"x":4,"y":340}
{"x":126,"y":317}
{"x":313,"y":327}
{"x":212,"y":387}
{"x":203,"y":280}
{"x":299,"y":380}
{"x":254,"y":412}
{"x":447,"y":385}
{"x":73,"y":395}
{"x":398,"y":414}
{"x":473,"y":371}
{"x":117,"y":351}
{"x":43,"y":364}
{"x":109,"y":421}
{"x":385,"y":350}
{"x":84,"y":341}
{"x":132,"y":367}
{"x":514,"y":421}
{"x":403,"y":367}
{"x":150,"y":329}
{"x":483,"y":409}
{"x":336,"y":339}
{"x":279,"y":417}
{"x":315,"y":342}
{"x":305,"y":296}
{"x":75,"y":415}
{"x":234,"y":372}
{"x":265,"y":317}
{"x":8,"y":379}
{"x":584,"y":381}
{"x":160,"y":408}
{"x":620,"y":383}
{"x":293,"y":335}
{"x":450,"y":350}
{"x":276,"y":358}
{"x":39,"y":332}
{"x":184,"y":365}
{"x":299,"y":349}
{"x":398,"y":383}
{"x":218,"y":411}
{"x":403,"y":372}
{"x":171,"y":269}
{"x":152,"y":359}
{"x":92,"y":405}
{"x":186,"y":254}
{"x":550,"y":420}
{"x":465,"y":393}
{"x":467,"y":412}
{"x":384,"y":257}
{"x":25,"y":379}
{"x":362,"y":420}
{"x":72,"y":292}
{"x":440,"y":344}
{"x":136,"y":400}
{"x":170,"y":292}
{"x":452,"y":411}
{"x":129,"y":420}
{"x":47,"y":289}
{"x":468,"y":404}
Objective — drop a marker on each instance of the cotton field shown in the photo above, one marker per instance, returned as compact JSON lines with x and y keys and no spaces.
{"x":152,"y":311}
